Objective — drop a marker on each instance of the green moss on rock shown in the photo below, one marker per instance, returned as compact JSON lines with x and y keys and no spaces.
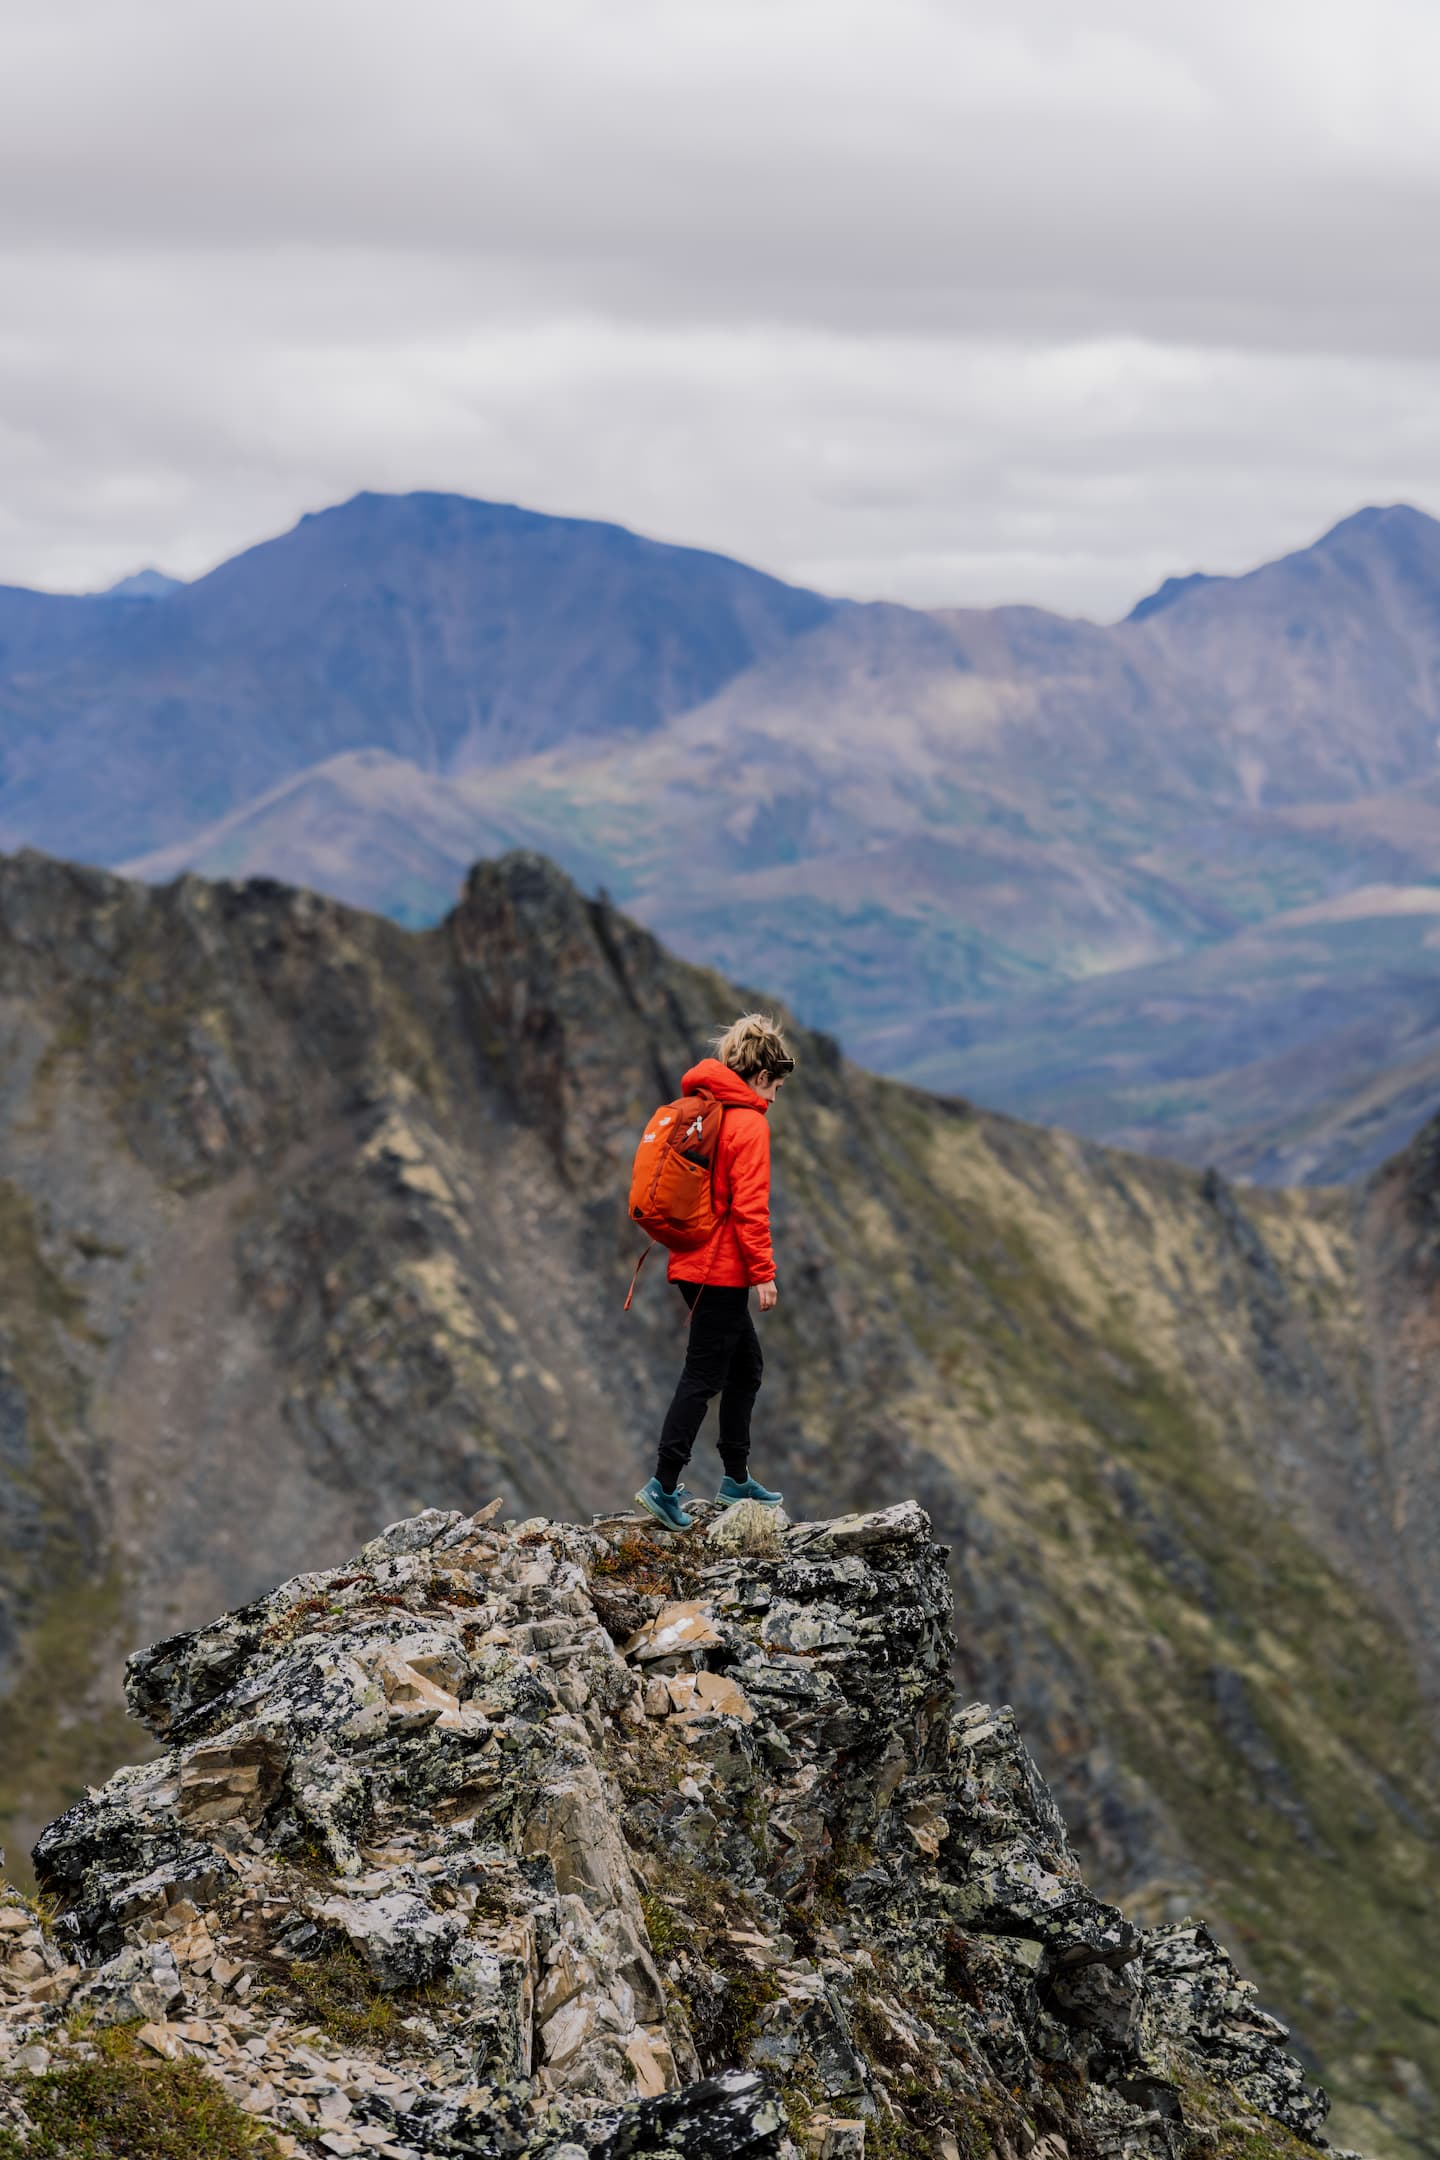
{"x":338,"y":1992}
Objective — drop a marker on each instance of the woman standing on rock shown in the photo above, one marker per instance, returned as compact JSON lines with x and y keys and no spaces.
{"x":723,"y":1355}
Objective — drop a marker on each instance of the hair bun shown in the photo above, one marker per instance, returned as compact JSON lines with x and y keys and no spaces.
{"x":753,"y":1046}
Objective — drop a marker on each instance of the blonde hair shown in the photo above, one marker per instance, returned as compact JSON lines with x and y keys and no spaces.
{"x":753,"y":1046}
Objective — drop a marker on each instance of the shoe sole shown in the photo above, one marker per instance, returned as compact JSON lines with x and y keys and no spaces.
{"x":721,"y":1501}
{"x":664,"y":1522}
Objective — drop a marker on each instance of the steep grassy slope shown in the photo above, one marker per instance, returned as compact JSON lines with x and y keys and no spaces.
{"x":310,"y":1220}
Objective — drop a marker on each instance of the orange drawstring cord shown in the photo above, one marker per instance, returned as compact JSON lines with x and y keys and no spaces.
{"x":636,"y":1276}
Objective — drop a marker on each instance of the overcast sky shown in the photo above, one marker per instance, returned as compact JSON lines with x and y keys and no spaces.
{"x":923,"y":298}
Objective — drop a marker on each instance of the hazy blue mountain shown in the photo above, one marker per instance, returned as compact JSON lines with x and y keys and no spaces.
{"x":456,"y":634}
{"x":143,"y":585}
{"x":1325,"y":664}
{"x":42,"y":630}
{"x":1166,"y":594}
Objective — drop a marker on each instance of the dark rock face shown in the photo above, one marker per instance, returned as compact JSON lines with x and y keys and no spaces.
{"x":745,"y":1885}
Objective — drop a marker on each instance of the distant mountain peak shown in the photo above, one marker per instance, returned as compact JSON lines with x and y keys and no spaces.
{"x":1164,"y":596}
{"x":434,"y":503}
{"x":439,"y":514}
{"x":1375,"y":517}
{"x":454,"y":633}
{"x":431,"y":515}
{"x":1393,"y":525}
{"x":143,"y":585}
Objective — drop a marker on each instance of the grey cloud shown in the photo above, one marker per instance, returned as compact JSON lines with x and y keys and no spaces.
{"x":918,"y":299}
{"x":800,"y":162}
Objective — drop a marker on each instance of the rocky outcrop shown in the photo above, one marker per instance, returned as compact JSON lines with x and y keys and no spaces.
{"x":538,"y":1839}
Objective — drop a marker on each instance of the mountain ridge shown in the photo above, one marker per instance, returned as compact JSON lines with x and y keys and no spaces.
{"x":1366,"y":518}
{"x":911,"y":824}
{"x":308,"y":1218}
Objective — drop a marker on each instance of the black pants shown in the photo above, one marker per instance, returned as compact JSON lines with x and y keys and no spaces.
{"x":722,"y":1357}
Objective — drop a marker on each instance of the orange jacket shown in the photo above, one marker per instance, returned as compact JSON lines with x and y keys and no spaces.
{"x":739,"y":1253}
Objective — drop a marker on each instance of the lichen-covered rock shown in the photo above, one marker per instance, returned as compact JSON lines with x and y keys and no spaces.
{"x":1195,"y":1995}
{"x":434,"y":1865}
{"x":734,"y":2114}
{"x":140,"y":1982}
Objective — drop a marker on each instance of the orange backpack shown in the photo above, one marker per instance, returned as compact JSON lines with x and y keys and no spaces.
{"x":670,"y":1191}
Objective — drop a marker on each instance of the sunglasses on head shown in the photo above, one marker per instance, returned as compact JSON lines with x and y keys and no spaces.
{"x":782,"y":1069}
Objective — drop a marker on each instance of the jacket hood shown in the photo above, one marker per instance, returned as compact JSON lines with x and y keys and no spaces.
{"x":726,"y":1086}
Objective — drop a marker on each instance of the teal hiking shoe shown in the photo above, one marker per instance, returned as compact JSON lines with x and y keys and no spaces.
{"x":748,"y":1488}
{"x":664,"y":1506}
